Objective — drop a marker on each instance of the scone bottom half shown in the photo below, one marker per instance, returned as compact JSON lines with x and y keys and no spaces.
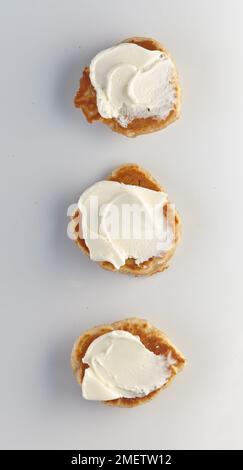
{"x":86,"y":99}
{"x":133,"y":174}
{"x":152,"y":338}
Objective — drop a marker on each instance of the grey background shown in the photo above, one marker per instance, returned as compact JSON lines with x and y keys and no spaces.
{"x":50,"y":292}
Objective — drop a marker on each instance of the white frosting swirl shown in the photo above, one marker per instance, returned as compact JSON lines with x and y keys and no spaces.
{"x":133,"y":82}
{"x":120,"y":221}
{"x":121,"y":366}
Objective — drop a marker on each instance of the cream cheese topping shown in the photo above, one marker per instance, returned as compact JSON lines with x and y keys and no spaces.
{"x":121,"y":366}
{"x":120,"y":221}
{"x":133,"y":82}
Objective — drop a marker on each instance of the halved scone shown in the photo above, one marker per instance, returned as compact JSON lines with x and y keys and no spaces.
{"x":86,"y":98}
{"x":154,"y":340}
{"x":133,"y":174}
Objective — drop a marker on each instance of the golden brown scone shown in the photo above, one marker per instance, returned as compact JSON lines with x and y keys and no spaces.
{"x":152,"y":338}
{"x":134,"y":174}
{"x":85,"y":100}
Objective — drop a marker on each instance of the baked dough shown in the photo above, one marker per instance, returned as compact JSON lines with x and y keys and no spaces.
{"x":132,"y":173}
{"x":152,"y":338}
{"x":85,"y":100}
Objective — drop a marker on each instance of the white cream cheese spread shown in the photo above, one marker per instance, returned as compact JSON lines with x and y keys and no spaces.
{"x":119,"y":221}
{"x":121,"y":366}
{"x":133,"y":82}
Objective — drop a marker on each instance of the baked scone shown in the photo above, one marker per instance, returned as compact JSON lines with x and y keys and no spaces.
{"x":141,"y":122}
{"x":133,"y":174}
{"x":152,"y":339}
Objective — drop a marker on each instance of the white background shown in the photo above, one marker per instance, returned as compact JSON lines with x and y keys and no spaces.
{"x":51,"y":292}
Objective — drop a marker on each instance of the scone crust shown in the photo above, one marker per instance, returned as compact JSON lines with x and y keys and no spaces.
{"x":152,"y":338}
{"x":133,"y":174}
{"x":85,"y":100}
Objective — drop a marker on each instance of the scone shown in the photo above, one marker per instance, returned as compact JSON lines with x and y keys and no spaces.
{"x":132,"y":87}
{"x":126,"y":363}
{"x":137,"y":256}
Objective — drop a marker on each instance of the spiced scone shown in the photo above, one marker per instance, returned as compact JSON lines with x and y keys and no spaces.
{"x":126,"y":223}
{"x":132,"y":87}
{"x":125,"y":363}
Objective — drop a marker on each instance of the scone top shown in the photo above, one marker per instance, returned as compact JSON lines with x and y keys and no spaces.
{"x":133,"y":199}
{"x":120,"y":222}
{"x":129,"y":359}
{"x":132,"y":87}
